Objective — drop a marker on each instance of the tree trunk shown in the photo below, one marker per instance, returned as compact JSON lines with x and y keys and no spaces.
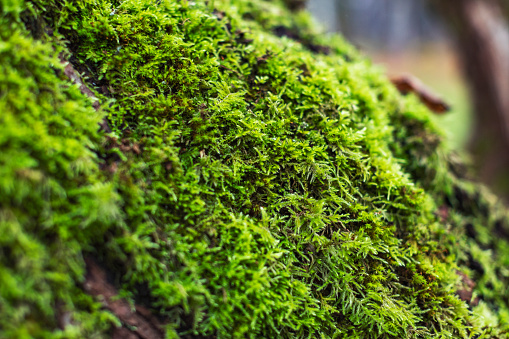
{"x":481,"y":32}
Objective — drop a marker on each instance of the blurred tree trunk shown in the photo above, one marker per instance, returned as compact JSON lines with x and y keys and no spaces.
{"x":482,"y":35}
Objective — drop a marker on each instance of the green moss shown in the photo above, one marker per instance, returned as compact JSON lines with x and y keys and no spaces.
{"x":261,"y":180}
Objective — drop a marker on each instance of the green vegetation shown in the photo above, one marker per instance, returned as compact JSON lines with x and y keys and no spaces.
{"x":260,"y":180}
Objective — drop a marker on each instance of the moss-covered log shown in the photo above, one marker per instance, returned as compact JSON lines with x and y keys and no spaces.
{"x":250,"y":178}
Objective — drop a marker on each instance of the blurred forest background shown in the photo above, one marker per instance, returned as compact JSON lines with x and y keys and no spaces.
{"x":460,"y":49}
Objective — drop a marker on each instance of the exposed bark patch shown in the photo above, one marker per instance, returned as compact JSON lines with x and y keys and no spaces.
{"x":220,"y":15}
{"x":409,"y":84}
{"x":466,"y":292}
{"x":443,"y":213}
{"x":111,"y":159}
{"x":137,"y":322}
{"x":124,"y":145}
{"x":74,"y":76}
{"x":62,"y":316}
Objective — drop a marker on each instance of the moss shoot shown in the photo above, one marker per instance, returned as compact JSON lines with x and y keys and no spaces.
{"x":260,"y":180}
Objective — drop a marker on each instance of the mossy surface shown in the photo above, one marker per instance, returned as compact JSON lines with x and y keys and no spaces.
{"x":260,"y":180}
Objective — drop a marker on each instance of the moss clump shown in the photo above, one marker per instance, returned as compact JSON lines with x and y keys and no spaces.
{"x":260,"y":180}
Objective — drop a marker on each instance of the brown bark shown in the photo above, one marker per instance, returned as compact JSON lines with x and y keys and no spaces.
{"x":137,"y":322}
{"x":482,"y":35}
{"x":410,"y":84}
{"x":74,"y":76}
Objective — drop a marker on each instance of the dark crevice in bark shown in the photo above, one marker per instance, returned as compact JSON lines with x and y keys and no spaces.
{"x":294,"y":34}
{"x":75,"y":77}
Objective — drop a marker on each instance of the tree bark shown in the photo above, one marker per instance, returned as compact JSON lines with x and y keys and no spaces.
{"x":482,"y":35}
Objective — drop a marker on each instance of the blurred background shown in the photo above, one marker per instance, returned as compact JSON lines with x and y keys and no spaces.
{"x":459,"y":49}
